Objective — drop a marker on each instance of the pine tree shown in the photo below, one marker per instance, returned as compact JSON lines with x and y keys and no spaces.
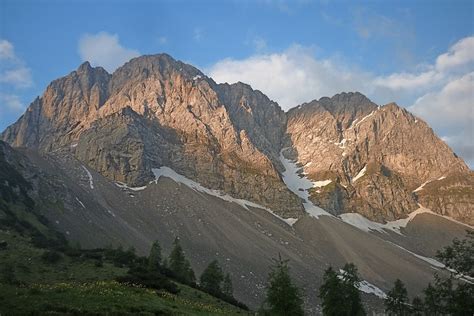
{"x":179,"y":265}
{"x":211,"y":278}
{"x":154,"y":258}
{"x":448,"y":295}
{"x":227,"y":288}
{"x":417,"y":306}
{"x":176,"y":258}
{"x":330,"y":294}
{"x":189,"y":276}
{"x":396,"y":302}
{"x":350,"y":282}
{"x":283,"y":297}
{"x":459,"y":256}
{"x":433,"y":305}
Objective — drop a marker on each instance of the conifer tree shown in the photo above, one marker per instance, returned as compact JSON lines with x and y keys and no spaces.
{"x":340,"y":293}
{"x":330,"y":294}
{"x":227,"y":288}
{"x":179,"y":265}
{"x":154,"y":258}
{"x":211,"y":279}
{"x":417,"y":306}
{"x":350,"y":282}
{"x":396,"y":302}
{"x":283,"y":297}
{"x":189,"y":276}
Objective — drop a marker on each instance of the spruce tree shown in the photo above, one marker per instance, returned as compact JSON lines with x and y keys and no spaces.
{"x":154,"y":258}
{"x":396,"y":302}
{"x":211,"y":279}
{"x":417,"y":306}
{"x":452,"y":295}
{"x":350,"y":283}
{"x":176,"y":259}
{"x":189,"y":276}
{"x":433,"y":301}
{"x":283,"y":297}
{"x":459,"y":256}
{"x":227,"y":288}
{"x":330,"y":293}
{"x":179,"y":265}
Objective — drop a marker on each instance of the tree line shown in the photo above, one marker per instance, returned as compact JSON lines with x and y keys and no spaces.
{"x":451,"y":294}
{"x":155,"y":271}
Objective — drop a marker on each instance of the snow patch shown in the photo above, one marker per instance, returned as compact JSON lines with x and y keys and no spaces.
{"x":91,"y":180}
{"x":431,"y":261}
{"x":82,"y":204}
{"x":356,"y":122}
{"x":360,"y":174}
{"x":426,"y":182}
{"x":300,"y":185}
{"x":341,"y":144}
{"x":367,"y":225}
{"x":361,"y":222}
{"x":178,"y":178}
{"x":126,"y":187}
{"x":74,"y":145}
{"x":197,"y":77}
{"x":365,"y":286}
{"x":421,"y":186}
{"x":369,"y":288}
{"x":323,"y":183}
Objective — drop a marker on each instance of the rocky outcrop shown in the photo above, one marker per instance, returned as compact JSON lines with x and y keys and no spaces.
{"x":156,"y":111}
{"x":451,"y":195}
{"x":372,"y":154}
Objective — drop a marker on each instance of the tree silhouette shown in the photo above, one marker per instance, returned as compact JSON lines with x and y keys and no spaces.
{"x":396,"y":302}
{"x":283,"y":297}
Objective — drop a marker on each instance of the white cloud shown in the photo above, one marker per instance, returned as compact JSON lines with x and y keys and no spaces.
{"x":11,"y":103}
{"x":291,"y":77}
{"x":13,"y":71}
{"x":451,"y":112}
{"x":19,"y":77}
{"x":458,"y":60}
{"x":453,"y":103}
{"x":104,"y":49}
{"x":441,"y":93}
{"x":460,"y":54}
{"x":6,"y":50}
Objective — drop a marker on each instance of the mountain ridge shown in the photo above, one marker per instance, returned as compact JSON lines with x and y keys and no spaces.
{"x":156,"y":111}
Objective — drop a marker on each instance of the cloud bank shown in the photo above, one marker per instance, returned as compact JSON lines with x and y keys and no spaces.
{"x":14,"y":76}
{"x":104,"y":49}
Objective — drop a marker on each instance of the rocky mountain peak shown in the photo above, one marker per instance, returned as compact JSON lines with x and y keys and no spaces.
{"x":156,"y":111}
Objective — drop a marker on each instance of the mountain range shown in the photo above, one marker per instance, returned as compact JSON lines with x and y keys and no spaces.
{"x":158,"y":149}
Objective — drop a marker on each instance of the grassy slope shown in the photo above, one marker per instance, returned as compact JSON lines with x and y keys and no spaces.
{"x":77,"y":284}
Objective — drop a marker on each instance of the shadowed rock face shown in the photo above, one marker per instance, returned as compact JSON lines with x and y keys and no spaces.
{"x":156,"y":111}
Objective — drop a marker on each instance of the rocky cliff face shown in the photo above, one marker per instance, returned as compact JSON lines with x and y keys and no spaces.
{"x":375,"y":156}
{"x":155,"y":111}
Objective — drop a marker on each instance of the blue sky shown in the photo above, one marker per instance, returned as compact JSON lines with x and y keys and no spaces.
{"x":417,"y":53}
